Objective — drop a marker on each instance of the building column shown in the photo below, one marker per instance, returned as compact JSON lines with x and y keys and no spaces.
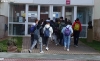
{"x":38,"y":12}
{"x":51,"y":12}
{"x":26,"y":17}
{"x":63,"y":12}
{"x":75,"y":12}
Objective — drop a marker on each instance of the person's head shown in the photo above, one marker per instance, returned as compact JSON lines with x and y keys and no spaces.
{"x":48,"y":18}
{"x":47,"y":21}
{"x":51,"y":21}
{"x":65,"y":19}
{"x":69,"y":22}
{"x":36,"y":21}
{"x":77,"y":19}
{"x":61,"y":18}
{"x":56,"y":20}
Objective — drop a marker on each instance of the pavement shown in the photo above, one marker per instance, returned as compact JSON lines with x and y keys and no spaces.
{"x":38,"y":56}
{"x":53,"y":49}
{"x":55,"y":53}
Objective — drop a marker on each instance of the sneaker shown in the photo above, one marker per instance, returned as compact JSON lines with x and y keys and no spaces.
{"x":41,"y":52}
{"x":30,"y":51}
{"x":67,"y":49}
{"x":76,"y":46}
{"x":64,"y":48}
{"x":47,"y":48}
{"x":44,"y":45}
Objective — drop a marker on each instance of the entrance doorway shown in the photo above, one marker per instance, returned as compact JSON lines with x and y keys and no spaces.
{"x":44,"y":11}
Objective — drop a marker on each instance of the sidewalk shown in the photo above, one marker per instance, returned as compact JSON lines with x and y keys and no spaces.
{"x":53,"y":49}
{"x":49,"y":56}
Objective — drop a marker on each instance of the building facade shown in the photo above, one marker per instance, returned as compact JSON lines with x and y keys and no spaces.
{"x":21,"y":13}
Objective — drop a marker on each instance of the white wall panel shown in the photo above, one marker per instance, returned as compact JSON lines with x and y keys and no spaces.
{"x":23,"y":1}
{"x":82,"y":2}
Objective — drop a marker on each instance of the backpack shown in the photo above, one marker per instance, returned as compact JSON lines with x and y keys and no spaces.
{"x":76,"y":27}
{"x":47,"y":32}
{"x":67,"y":31}
{"x":36,"y":33}
{"x":61,"y":26}
{"x":32,"y":29}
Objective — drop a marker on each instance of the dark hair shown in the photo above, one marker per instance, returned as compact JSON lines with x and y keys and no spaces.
{"x":61,"y":17}
{"x":36,"y":20}
{"x":48,"y":18}
{"x":77,"y":19}
{"x":69,"y":22}
{"x":56,"y":20}
{"x":65,"y":19}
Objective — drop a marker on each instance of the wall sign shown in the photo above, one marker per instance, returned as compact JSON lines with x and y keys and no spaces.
{"x":67,"y":2}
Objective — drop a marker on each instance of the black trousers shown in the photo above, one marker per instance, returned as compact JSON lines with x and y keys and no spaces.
{"x":32,"y":39}
{"x":61,"y":39}
{"x":76,"y":37}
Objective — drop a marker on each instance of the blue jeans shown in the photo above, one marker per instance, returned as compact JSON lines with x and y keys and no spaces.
{"x":37,"y":41}
{"x":67,"y":41}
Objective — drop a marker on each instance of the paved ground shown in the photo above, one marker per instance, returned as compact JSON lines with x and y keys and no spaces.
{"x":53,"y":49}
{"x":49,"y":56}
{"x":56,"y":53}
{"x":42,"y":60}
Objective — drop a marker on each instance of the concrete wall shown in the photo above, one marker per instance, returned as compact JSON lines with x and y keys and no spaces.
{"x":96,"y":28}
{"x":63,"y":2}
{"x":3,"y":21}
{"x":73,"y":2}
{"x":96,"y":14}
{"x":4,"y":9}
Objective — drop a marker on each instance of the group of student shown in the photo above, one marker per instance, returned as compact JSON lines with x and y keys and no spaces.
{"x":60,"y":32}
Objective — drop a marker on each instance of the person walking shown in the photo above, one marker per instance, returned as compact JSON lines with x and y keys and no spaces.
{"x":47,"y":30}
{"x":77,"y":29}
{"x":67,"y":32}
{"x":37,"y":39}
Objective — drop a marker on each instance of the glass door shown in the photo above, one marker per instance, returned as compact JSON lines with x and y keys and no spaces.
{"x":32,"y":16}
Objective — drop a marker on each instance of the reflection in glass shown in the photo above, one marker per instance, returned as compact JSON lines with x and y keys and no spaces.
{"x":68,"y":13}
{"x":29,"y":26}
{"x":83,"y":32}
{"x":17,"y":13}
{"x":17,"y":29}
{"x":57,"y":12}
{"x":44,"y":12}
{"x":32,"y":13}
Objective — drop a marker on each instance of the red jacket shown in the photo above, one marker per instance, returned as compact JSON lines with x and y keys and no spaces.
{"x":80,"y":29}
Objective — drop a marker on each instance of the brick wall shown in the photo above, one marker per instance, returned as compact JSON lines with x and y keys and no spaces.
{"x":3,"y":21}
{"x":96,"y":28}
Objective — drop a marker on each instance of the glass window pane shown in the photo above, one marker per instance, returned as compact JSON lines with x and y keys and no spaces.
{"x":29,"y":26}
{"x":57,"y":12}
{"x":68,"y":13}
{"x":83,"y":32}
{"x":17,"y":13}
{"x":44,"y":12}
{"x":32,"y":13}
{"x":16,"y":29}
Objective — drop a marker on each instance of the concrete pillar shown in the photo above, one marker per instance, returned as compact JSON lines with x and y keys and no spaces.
{"x":38,"y":12}
{"x":75,"y":12}
{"x":26,"y":17}
{"x":51,"y":12}
{"x":63,"y":12}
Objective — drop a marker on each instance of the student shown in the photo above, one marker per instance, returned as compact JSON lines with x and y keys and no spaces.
{"x":47,"y":30}
{"x":62,"y":24}
{"x":67,"y":32}
{"x":77,"y":29}
{"x":37,"y":39}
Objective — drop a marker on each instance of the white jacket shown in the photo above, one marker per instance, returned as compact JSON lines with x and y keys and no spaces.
{"x":70,"y":28}
{"x":50,"y":29}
